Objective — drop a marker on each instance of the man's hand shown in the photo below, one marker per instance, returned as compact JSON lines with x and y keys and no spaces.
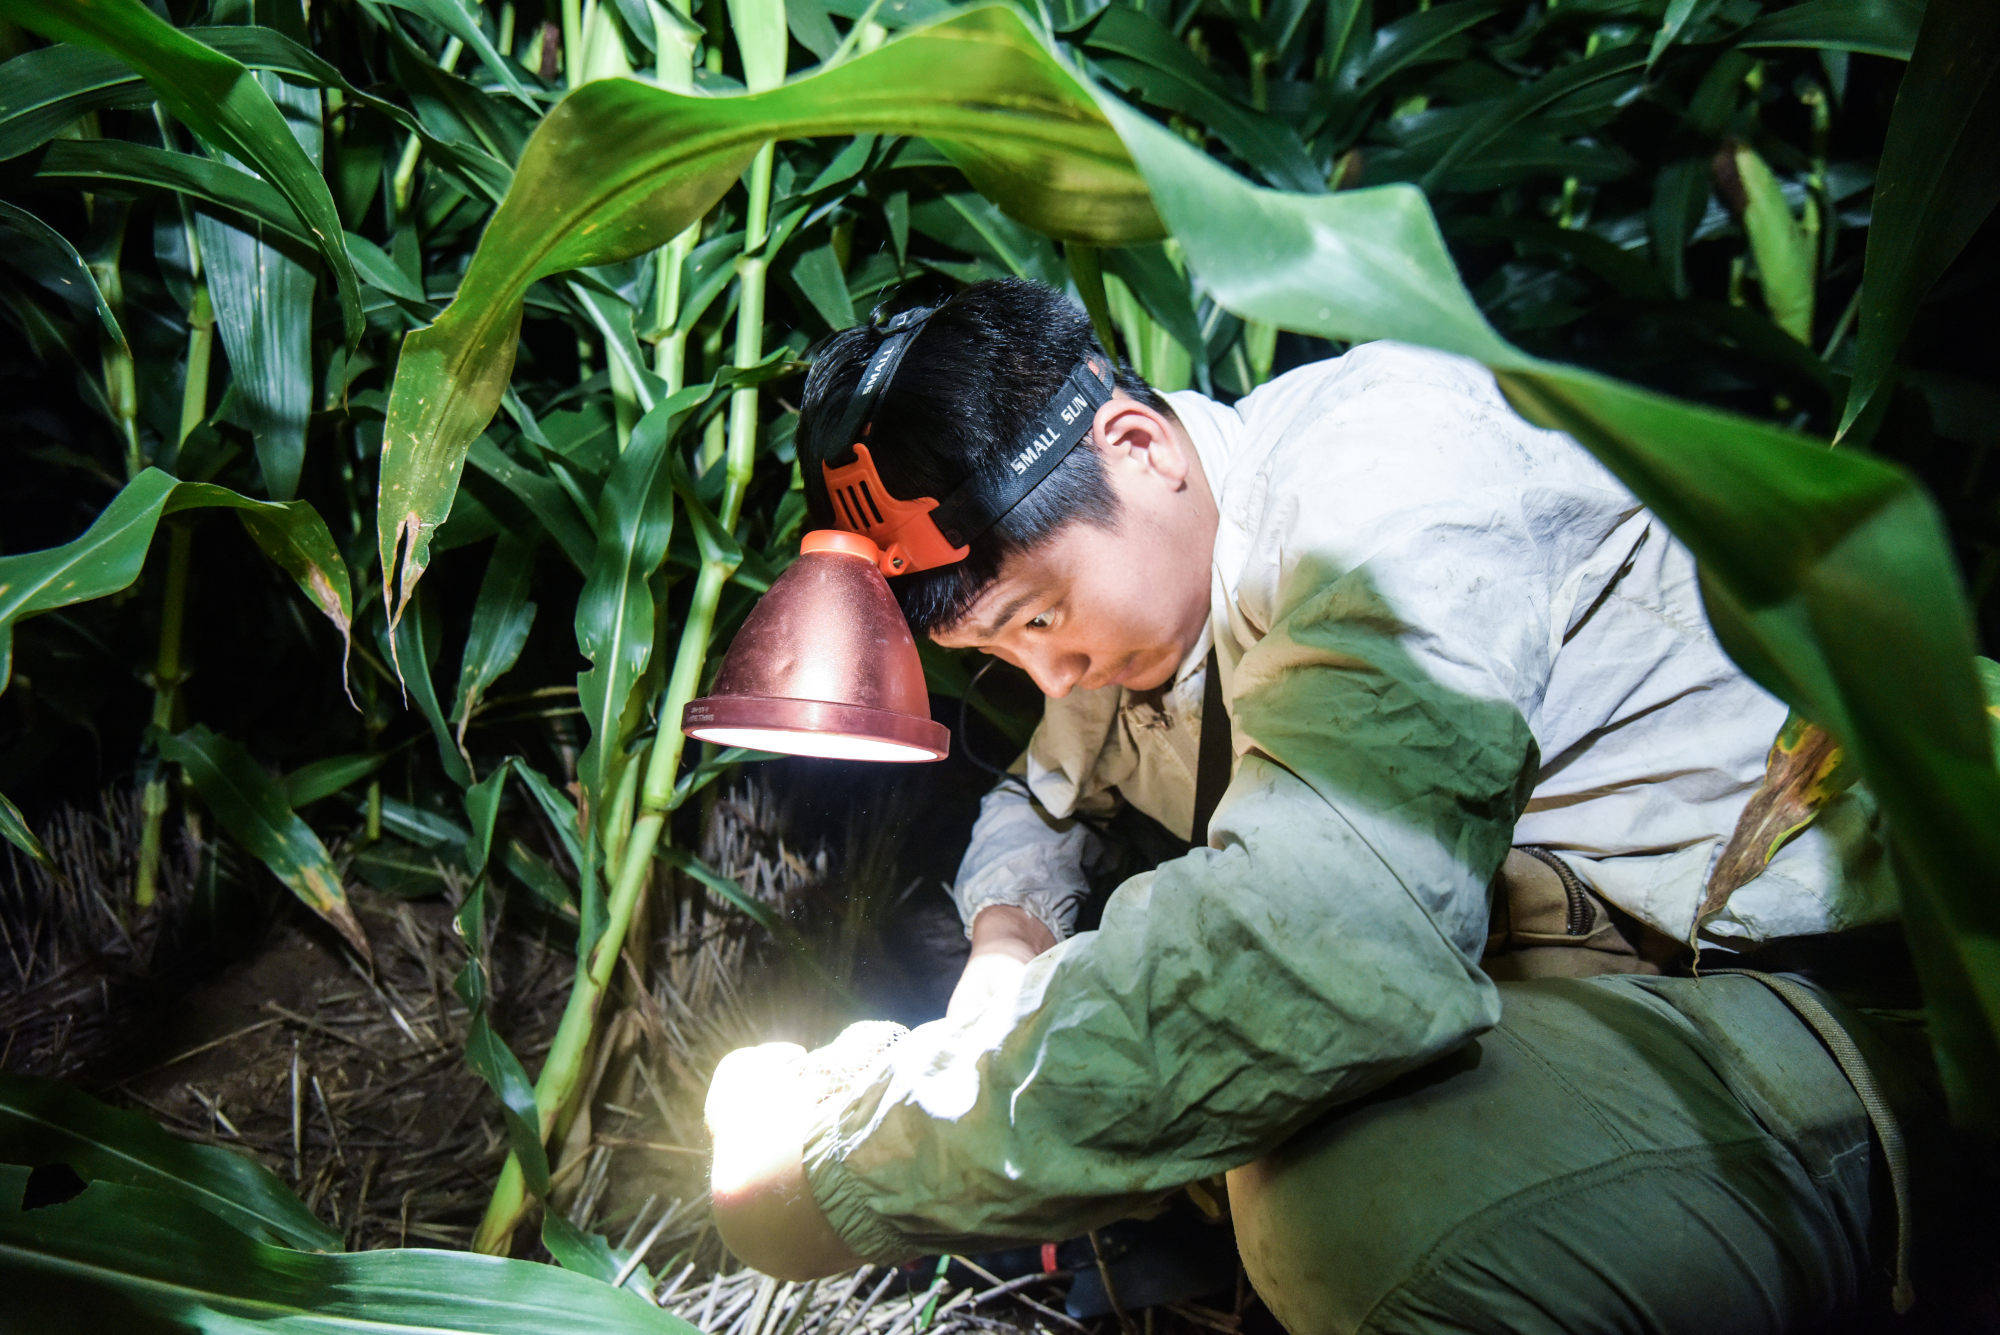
{"x":759,"y":1109}
{"x":1004,"y":939}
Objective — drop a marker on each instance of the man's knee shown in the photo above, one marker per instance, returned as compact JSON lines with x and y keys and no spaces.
{"x":1579,"y":1168}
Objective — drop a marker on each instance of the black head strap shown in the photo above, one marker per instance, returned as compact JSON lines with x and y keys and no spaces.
{"x":900,"y":331}
{"x":984,"y":498}
{"x":981,"y":501}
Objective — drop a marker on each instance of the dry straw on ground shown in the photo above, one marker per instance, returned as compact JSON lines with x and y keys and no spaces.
{"x":351,"y":1084}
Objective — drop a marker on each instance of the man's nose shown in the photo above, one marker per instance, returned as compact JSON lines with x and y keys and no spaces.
{"x":1055,"y":674}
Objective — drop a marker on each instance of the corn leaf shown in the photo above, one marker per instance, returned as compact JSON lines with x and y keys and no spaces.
{"x":321,"y":779}
{"x":110,"y":554}
{"x":1786,"y":266}
{"x":1939,"y":179}
{"x":47,"y":1122}
{"x":263,"y":311}
{"x":1416,"y":38}
{"x":1679,"y":14}
{"x":139,"y":1260}
{"x":819,"y":279}
{"x":1161,"y":290}
{"x":542,"y":500}
{"x":1803,"y":771}
{"x":620,"y":167}
{"x":560,"y":812}
{"x":412,"y":644}
{"x":1989,"y":683}
{"x":116,"y":167}
{"x":42,"y":92}
{"x":216,"y":97}
{"x":14,"y":828}
{"x":45,"y":90}
{"x":614,"y":613}
{"x":591,"y":1254}
{"x":46,"y":255}
{"x":1138,"y":52}
{"x":485,"y":1052}
{"x":1620,"y":67}
{"x":1681,"y":189}
{"x":1829,"y":576}
{"x":501,"y":618}
{"x":461,"y":20}
{"x":482,"y":808}
{"x":1867,"y":27}
{"x":249,"y":803}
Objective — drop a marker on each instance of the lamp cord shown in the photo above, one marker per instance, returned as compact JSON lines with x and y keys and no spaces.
{"x":1100,"y":824}
{"x":965,"y":733}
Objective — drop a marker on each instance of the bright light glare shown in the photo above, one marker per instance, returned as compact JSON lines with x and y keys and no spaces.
{"x":756,"y":1113}
{"x":829,"y":745}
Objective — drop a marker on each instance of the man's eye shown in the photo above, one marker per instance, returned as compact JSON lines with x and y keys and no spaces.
{"x":1040,"y":621}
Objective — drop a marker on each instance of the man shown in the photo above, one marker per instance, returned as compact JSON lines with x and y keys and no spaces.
{"x":1439,"y":635}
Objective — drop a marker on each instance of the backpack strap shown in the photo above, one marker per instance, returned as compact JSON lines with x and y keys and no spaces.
{"x":1211,"y":773}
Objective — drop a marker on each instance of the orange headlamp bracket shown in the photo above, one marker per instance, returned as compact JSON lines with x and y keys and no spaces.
{"x":904,"y":533}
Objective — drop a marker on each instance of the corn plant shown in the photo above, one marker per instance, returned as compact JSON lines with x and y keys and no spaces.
{"x":148,"y":1224}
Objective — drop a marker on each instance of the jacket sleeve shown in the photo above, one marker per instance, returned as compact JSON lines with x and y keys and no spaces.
{"x":1324,"y":943}
{"x":1022,"y":856}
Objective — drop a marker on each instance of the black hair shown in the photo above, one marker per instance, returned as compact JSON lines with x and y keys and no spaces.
{"x":979,"y":372}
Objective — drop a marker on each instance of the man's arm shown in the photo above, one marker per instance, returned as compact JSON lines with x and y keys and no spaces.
{"x":1022,"y":877}
{"x":1322,"y":946}
{"x":1022,"y":857}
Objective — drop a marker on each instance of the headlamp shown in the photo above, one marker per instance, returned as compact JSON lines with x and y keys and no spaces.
{"x":825,"y":664}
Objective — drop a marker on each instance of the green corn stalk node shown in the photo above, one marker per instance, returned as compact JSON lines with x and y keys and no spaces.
{"x":759,"y":29}
{"x":167,"y":669}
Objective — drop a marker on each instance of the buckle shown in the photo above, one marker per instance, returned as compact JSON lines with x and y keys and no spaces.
{"x":908,"y":537}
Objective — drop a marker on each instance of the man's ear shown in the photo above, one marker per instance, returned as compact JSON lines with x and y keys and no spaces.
{"x":1130,"y":433}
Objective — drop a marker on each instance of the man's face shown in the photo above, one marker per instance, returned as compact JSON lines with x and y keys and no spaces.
{"x":1118,"y":606}
{"x":1081,"y":611}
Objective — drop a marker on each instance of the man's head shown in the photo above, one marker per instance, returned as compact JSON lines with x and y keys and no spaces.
{"x":1098,"y":575}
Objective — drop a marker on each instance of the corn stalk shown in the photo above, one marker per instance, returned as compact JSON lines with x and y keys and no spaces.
{"x":167,"y":667}
{"x":674,"y":43}
{"x":759,"y":27}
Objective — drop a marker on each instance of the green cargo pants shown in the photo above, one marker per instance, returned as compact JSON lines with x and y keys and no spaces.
{"x":1622,"y":1153}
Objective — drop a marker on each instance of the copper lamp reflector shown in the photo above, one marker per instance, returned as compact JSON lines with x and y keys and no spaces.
{"x":824,"y":666}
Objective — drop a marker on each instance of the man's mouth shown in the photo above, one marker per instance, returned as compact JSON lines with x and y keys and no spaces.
{"x":1122,"y":674}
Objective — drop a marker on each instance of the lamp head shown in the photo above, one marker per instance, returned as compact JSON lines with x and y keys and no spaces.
{"x":824,"y":666}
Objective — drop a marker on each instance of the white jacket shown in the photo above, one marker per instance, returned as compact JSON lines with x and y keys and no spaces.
{"x":1649,"y":739}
